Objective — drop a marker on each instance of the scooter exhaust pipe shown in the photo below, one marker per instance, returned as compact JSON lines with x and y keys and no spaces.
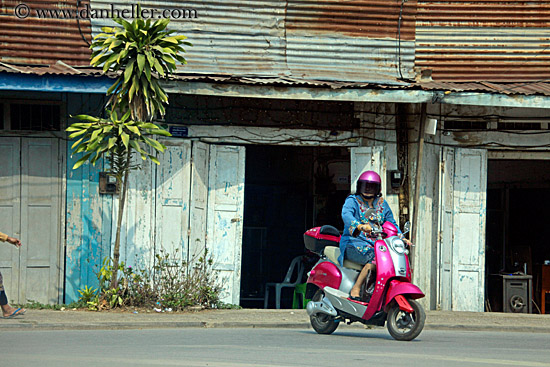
{"x":323,"y":306}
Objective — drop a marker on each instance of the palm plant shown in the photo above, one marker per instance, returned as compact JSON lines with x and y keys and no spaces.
{"x":141,"y":52}
{"x":139,"y":49}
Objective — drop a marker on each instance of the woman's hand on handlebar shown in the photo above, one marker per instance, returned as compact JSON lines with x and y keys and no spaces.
{"x":407,"y":242}
{"x":365,"y":228}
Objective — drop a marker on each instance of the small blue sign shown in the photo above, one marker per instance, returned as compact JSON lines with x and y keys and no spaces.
{"x":179,"y":131}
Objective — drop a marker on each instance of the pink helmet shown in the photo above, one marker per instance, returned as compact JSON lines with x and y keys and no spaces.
{"x":369,"y":183}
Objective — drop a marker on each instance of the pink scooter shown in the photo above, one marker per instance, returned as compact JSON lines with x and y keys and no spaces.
{"x":393,"y":298}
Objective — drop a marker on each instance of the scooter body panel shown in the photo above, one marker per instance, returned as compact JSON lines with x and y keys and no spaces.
{"x":349,"y":276}
{"x":397,"y":287}
{"x":384,"y":262}
{"x":339,"y":301}
{"x":325,"y":274}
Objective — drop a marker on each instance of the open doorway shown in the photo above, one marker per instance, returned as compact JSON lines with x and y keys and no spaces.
{"x":287,"y":191}
{"x":518,"y":195}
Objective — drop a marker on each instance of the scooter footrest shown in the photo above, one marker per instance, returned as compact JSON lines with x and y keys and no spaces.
{"x":336,"y":292}
{"x":359,"y":302}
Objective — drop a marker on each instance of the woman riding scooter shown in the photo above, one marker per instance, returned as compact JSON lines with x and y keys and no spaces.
{"x":355,"y":245}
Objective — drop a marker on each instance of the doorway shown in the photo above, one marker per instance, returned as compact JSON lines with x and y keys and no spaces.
{"x":287,"y":191}
{"x":518,"y":194}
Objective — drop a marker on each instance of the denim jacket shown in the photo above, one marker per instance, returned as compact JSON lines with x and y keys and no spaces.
{"x":353,"y":214}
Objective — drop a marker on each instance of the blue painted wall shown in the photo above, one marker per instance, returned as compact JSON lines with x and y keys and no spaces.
{"x":89,"y":215}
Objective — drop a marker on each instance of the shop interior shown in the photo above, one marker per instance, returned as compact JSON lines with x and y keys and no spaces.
{"x":288,"y":190}
{"x":518,"y":200}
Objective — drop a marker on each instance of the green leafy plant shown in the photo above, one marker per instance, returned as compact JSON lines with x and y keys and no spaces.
{"x":138,"y":287}
{"x":93,"y":304}
{"x":115,"y":137}
{"x":105,"y":274}
{"x":141,"y":52}
{"x":87,"y":294}
{"x":113,"y":297}
{"x":106,"y":296}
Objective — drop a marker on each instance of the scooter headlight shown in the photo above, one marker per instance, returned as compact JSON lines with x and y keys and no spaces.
{"x":398,"y":246}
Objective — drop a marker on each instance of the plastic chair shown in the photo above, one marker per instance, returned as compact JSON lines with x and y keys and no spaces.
{"x":297,"y":266}
{"x":300,"y":296}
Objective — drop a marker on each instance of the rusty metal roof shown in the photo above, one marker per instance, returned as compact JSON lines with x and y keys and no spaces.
{"x":526,"y":88}
{"x":35,"y":41}
{"x":59,"y":68}
{"x":489,"y":40}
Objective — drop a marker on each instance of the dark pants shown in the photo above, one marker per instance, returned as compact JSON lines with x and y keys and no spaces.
{"x":3,"y":298}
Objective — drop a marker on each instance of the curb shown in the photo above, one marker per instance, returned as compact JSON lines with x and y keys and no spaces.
{"x":149,"y":325}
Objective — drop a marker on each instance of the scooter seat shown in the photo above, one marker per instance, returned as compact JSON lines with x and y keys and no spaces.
{"x":333,"y":253}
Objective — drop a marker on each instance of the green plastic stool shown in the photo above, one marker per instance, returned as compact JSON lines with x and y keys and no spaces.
{"x":300,"y":295}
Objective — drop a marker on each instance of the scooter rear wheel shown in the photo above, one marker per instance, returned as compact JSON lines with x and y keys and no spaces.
{"x":403,"y":325}
{"x":322,"y":323}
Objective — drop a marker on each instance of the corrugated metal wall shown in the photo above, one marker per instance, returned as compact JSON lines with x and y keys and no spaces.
{"x":34,"y":41}
{"x":229,"y":37}
{"x":364,"y":41}
{"x":489,"y":40}
{"x":350,"y":40}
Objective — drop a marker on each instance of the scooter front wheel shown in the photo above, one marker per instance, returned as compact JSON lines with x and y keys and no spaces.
{"x":322,"y":323}
{"x":405,"y":326}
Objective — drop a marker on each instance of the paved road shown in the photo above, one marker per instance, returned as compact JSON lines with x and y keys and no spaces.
{"x":270,"y":347}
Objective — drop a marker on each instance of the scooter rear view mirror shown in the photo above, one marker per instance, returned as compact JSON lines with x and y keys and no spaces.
{"x":406,"y":227}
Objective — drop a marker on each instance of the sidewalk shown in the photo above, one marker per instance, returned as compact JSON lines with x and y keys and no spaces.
{"x":255,"y":318}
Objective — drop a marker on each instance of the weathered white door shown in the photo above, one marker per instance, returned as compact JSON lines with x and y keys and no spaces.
{"x":225,"y":216}
{"x":172,"y":198}
{"x":365,"y":159}
{"x":10,"y":212}
{"x":462,"y":240}
{"x":31,"y":181}
{"x":40,"y":220}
